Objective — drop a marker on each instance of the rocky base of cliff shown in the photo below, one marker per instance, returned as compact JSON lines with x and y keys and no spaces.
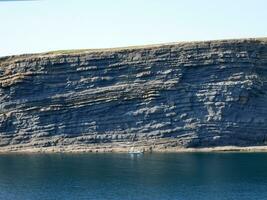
{"x":161,"y":145}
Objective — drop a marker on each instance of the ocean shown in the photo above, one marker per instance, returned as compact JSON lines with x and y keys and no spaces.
{"x":151,"y":176}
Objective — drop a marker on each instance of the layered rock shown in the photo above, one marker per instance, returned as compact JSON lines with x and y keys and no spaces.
{"x":198,"y":94}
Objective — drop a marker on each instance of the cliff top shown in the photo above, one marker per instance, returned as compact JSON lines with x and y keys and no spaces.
{"x":77,"y":52}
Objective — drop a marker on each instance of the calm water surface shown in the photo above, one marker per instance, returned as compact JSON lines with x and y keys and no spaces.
{"x":208,"y":176}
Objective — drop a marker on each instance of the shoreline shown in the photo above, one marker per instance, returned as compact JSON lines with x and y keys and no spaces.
{"x":80,"y":149}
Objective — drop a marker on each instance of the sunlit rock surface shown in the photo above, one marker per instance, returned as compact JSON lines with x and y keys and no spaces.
{"x":198,"y":94}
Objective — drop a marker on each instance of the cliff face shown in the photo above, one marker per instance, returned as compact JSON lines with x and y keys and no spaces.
{"x":186,"y":95}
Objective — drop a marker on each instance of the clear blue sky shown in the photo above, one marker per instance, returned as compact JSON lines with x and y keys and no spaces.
{"x":44,"y":25}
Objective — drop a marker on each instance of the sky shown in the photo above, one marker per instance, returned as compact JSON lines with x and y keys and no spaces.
{"x":46,"y":25}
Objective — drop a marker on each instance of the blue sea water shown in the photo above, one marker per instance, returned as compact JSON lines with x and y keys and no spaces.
{"x":208,"y":176}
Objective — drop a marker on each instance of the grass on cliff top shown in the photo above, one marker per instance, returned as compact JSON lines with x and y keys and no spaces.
{"x":111,"y":48}
{"x":70,"y":51}
{"x":101,"y":49}
{"x":67,"y":51}
{"x":79,"y":51}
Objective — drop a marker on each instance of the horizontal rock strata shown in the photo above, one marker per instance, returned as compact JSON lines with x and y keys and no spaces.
{"x":198,"y":94}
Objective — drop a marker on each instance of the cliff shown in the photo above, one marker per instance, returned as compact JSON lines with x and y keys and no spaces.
{"x":198,"y":94}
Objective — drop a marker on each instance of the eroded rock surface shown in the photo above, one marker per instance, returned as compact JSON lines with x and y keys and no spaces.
{"x":197,"y":94}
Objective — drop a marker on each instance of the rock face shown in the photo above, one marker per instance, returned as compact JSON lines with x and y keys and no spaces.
{"x":198,"y":94}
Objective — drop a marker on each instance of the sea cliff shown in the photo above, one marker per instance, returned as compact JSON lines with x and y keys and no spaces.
{"x":160,"y":97}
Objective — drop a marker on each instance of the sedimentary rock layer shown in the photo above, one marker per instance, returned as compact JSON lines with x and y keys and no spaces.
{"x":197,"y":94}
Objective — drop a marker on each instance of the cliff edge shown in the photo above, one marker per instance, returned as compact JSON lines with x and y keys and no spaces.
{"x":184,"y":95}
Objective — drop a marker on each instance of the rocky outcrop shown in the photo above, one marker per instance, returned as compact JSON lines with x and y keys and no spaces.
{"x":197,"y":94}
